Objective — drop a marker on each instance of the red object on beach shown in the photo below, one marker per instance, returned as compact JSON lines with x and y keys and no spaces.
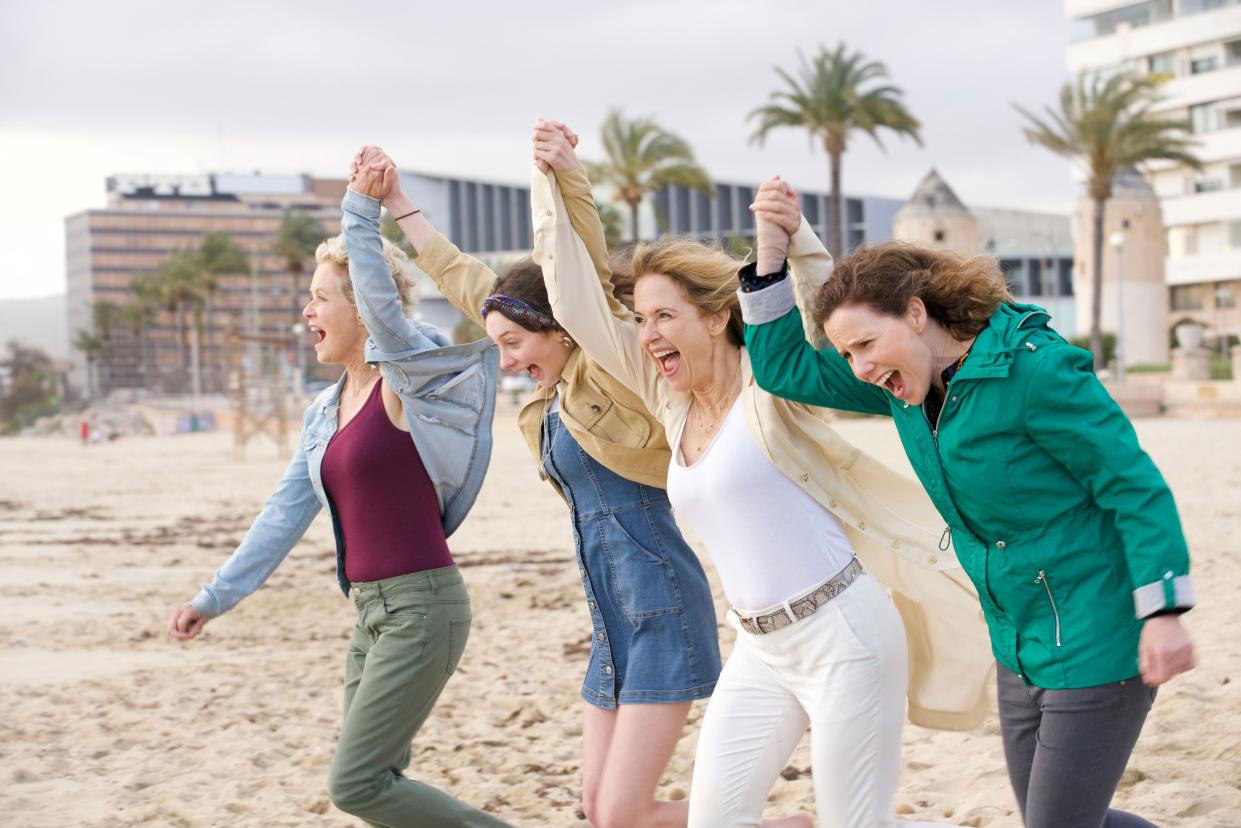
{"x":84,"y":430}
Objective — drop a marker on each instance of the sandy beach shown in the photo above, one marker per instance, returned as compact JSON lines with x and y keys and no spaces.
{"x":109,"y":722}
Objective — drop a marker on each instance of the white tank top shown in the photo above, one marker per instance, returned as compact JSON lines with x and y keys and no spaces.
{"x":768,"y":539}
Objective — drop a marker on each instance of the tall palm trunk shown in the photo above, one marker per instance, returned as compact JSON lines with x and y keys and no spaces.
{"x":1096,"y":283}
{"x":633,"y":219}
{"x":835,"y":245}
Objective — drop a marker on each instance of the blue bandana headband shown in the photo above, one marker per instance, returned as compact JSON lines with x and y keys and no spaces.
{"x":518,"y":311}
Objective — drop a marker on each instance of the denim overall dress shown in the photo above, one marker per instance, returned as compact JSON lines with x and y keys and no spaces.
{"x":655,"y":638}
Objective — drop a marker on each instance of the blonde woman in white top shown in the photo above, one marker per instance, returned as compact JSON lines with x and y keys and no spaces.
{"x":783,"y":505}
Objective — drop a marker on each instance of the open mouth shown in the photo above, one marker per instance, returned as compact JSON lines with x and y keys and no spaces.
{"x":893,"y":382}
{"x":535,"y":373}
{"x":317,"y":335}
{"x":669,"y":361}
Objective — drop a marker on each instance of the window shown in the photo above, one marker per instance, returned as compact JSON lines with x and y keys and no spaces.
{"x":1203,"y":118}
{"x":1163,"y":64}
{"x":1207,"y":185}
{"x":1234,"y":235}
{"x":1187,"y":7}
{"x":1188,"y":297}
{"x":1203,"y":64}
{"x":1234,"y":176}
{"x":725,"y":195}
{"x":1232,"y":52}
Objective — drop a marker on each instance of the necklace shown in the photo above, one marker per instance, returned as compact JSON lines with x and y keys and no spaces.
{"x":708,"y":427}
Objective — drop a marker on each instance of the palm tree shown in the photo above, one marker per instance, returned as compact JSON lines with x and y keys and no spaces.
{"x":297,"y":238}
{"x":218,"y":255}
{"x":179,"y":290}
{"x":106,"y":316}
{"x":90,"y":346}
{"x":138,"y":311}
{"x":829,"y":101}
{"x":642,"y":157}
{"x":1105,"y":124}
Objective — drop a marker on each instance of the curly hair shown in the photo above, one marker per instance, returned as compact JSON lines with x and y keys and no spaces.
{"x":959,"y":293}
{"x":333,"y":251}
{"x":706,"y":273}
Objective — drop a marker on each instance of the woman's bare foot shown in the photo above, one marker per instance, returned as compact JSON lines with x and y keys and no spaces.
{"x":799,"y":821}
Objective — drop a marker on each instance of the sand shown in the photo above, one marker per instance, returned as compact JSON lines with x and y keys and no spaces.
{"x":109,"y":722}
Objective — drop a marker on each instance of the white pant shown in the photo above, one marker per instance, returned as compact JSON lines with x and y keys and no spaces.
{"x":843,"y":672}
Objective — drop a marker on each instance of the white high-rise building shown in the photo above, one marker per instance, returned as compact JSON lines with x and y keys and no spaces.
{"x":1196,"y":45}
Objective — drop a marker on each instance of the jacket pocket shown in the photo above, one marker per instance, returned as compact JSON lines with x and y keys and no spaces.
{"x":1051,"y":600}
{"x":606,"y":419}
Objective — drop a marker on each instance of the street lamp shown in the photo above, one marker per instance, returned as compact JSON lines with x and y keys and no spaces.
{"x":1117,"y":241}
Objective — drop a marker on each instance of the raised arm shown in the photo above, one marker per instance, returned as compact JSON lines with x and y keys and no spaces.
{"x":378,"y":301}
{"x":581,"y":302}
{"x":777,"y":330}
{"x":554,"y":150}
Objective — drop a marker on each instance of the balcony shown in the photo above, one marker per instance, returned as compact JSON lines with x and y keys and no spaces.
{"x":1221,"y":145}
{"x":1177,"y":33}
{"x":1195,"y":89}
{"x":1204,"y":267}
{"x":1202,"y":208}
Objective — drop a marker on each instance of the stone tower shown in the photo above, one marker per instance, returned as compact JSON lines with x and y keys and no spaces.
{"x":934,"y":216}
{"x":1133,"y":210}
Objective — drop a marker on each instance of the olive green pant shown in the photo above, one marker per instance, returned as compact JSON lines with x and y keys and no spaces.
{"x":410,"y":634}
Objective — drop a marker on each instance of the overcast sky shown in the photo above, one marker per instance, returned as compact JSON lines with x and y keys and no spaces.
{"x":92,"y":88}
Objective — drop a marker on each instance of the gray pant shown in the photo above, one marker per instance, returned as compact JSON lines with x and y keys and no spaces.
{"x":410,"y":634}
{"x":1066,"y":749}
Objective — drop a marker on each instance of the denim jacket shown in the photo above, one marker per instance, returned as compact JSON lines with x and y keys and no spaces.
{"x":448,"y":394}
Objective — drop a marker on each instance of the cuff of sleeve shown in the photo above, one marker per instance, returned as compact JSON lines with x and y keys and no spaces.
{"x":1171,"y":592}
{"x":205,"y":604}
{"x":767,"y":305}
{"x":364,"y":206}
{"x":573,"y":182}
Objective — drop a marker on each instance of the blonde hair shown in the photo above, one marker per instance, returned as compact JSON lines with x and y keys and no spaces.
{"x":707,"y":274}
{"x":333,"y":251}
{"x":959,"y":293}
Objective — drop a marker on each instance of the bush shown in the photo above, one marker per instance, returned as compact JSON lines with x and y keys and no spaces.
{"x":1109,"y":345}
{"x":1221,"y":369}
{"x":1149,"y":368}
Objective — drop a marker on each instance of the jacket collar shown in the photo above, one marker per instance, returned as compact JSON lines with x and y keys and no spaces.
{"x":1007,"y":330}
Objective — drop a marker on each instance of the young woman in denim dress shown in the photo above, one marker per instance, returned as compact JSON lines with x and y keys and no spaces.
{"x":654,"y":645}
{"x":396,"y":452}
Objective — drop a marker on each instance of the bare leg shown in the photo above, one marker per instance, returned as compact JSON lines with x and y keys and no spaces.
{"x":642,"y":741}
{"x":597,"y":728}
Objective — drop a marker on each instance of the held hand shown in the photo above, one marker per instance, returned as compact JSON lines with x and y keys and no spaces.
{"x":185,"y":623}
{"x":777,"y":216}
{"x":1164,"y":650}
{"x":553,"y":146}
{"x":373,"y":174}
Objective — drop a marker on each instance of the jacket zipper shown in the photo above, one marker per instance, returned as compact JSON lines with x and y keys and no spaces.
{"x":1042,"y":578}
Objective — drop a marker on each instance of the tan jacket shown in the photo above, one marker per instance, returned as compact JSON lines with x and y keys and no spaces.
{"x":890,"y":521}
{"x":607,"y":420}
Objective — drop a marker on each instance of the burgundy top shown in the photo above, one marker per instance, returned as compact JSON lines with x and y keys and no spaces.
{"x":383,"y":498}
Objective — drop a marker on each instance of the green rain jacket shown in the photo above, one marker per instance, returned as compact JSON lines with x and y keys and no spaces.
{"x":1063,"y":523}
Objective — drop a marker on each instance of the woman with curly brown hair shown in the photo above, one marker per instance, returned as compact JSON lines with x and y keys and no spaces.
{"x":1063,"y":523}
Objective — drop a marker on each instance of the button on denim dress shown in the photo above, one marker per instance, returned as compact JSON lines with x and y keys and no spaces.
{"x":654,"y":638}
